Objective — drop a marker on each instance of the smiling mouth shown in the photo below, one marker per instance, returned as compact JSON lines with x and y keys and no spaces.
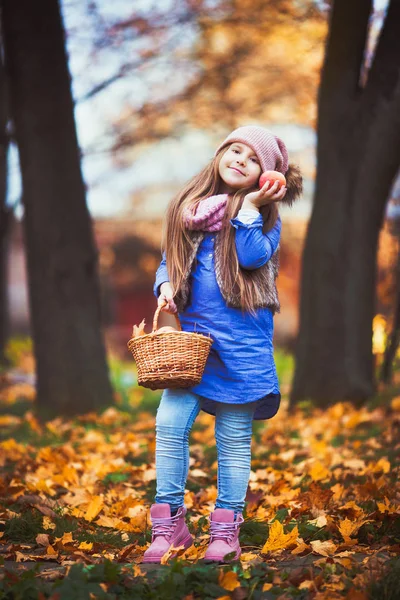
{"x":237,"y":170}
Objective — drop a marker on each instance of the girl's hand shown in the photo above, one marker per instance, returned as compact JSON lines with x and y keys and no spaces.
{"x":166,"y":295}
{"x":264,"y":195}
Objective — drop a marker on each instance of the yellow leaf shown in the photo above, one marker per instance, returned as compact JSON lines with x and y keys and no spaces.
{"x":228,"y":580}
{"x":387,"y":507}
{"x":353,"y":507}
{"x":247,"y":556}
{"x":319,"y":472}
{"x":278,"y":540}
{"x":85,"y":546}
{"x":326,"y":548}
{"x":382,"y":465}
{"x":137,"y":571}
{"x":306,"y":585}
{"x":48,"y":523}
{"x":50,"y":550}
{"x":94,"y":508}
{"x":66,"y":538}
{"x":172,"y":551}
{"x":267,"y":586}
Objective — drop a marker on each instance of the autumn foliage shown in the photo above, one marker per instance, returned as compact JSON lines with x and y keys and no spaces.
{"x":322,"y":514}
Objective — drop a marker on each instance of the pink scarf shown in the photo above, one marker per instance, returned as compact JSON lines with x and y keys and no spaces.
{"x":209,"y":214}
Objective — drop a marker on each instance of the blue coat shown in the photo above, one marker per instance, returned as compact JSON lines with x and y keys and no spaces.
{"x":241,"y":366}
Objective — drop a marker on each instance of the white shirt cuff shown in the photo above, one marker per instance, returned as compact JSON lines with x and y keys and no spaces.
{"x":247,"y":215}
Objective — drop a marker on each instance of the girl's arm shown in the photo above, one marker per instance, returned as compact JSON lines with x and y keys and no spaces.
{"x":161,"y":276}
{"x":253,"y":247}
{"x":162,"y":288}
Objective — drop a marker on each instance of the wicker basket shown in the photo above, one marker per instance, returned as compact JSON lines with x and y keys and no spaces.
{"x":171,"y":359}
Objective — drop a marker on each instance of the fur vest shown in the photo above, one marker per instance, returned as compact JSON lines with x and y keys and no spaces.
{"x":264,"y":278}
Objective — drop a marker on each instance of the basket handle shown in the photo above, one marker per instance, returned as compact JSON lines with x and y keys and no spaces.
{"x":156,"y":314}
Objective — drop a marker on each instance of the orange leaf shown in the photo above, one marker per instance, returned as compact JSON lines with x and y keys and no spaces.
{"x":395,"y":403}
{"x":228,"y":580}
{"x":172,"y":550}
{"x":94,"y":508}
{"x":50,"y":551}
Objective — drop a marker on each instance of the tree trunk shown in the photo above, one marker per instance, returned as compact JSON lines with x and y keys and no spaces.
{"x":358,"y":150}
{"x":5,"y":212}
{"x":61,"y":256}
{"x":394,"y":338}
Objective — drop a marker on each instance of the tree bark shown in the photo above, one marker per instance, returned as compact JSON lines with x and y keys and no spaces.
{"x":357,"y":154}
{"x":72,"y":371}
{"x":5,"y":212}
{"x":394,"y":338}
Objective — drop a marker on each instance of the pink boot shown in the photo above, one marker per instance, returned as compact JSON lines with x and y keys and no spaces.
{"x":167,"y":531}
{"x":224,"y":535}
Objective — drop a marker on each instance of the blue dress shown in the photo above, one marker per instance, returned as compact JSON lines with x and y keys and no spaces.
{"x":240,"y":367}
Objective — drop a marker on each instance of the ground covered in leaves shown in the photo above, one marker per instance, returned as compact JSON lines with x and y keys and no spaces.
{"x":321,"y":521}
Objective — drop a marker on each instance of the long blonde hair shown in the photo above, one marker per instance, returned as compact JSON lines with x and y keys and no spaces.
{"x":178,"y":244}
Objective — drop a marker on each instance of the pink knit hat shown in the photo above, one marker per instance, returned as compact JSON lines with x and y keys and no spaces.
{"x":270,"y":149}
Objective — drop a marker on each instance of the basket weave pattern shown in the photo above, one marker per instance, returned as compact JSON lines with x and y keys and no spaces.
{"x":171,"y":359}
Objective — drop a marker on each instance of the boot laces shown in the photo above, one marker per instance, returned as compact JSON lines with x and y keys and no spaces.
{"x":224,"y":531}
{"x":164,"y":526}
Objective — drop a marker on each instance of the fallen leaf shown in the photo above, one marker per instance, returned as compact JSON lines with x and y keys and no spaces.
{"x":85,"y":546}
{"x":318,"y":472}
{"x":278,"y":540}
{"x":94,"y":508}
{"x":326,"y":548}
{"x":228,"y":580}
{"x":42,"y":539}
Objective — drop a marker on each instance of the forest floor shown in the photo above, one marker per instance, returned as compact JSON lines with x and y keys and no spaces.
{"x":322,"y":518}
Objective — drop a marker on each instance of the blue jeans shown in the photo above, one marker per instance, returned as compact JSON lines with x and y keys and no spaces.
{"x":233,"y":431}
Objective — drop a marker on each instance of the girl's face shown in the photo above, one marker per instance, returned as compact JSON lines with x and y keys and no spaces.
{"x":239,"y":168}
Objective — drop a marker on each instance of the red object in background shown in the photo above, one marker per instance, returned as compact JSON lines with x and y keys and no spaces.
{"x":130,"y":307}
{"x":272,"y":176}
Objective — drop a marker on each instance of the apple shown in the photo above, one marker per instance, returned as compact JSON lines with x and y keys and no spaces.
{"x":272,"y":176}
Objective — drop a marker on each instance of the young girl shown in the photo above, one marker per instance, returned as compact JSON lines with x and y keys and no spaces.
{"x":218,"y":271}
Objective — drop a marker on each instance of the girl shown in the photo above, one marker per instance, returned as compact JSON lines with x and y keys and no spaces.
{"x":218,"y":271}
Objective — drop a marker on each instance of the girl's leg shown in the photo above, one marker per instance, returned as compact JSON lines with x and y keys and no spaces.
{"x":233,"y":432}
{"x":175,"y":416}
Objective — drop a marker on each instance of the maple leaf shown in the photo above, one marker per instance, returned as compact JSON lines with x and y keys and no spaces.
{"x":278,"y":540}
{"x":326,"y":548}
